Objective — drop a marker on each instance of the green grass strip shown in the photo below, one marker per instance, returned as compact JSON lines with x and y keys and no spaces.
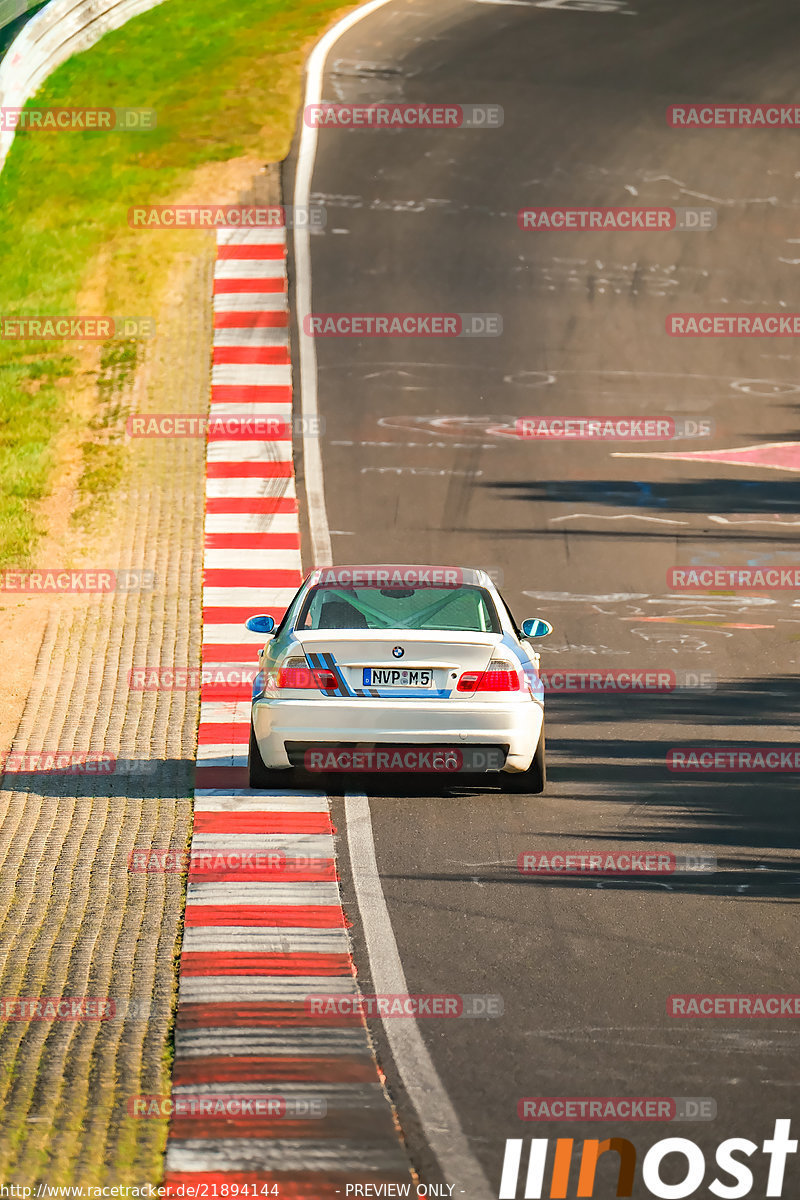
{"x":225,"y":80}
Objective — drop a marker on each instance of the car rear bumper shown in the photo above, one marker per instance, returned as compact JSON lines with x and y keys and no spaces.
{"x":333,"y":722}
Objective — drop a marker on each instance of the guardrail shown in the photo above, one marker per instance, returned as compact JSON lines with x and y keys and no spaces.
{"x":61,"y":29}
{"x":11,"y":10}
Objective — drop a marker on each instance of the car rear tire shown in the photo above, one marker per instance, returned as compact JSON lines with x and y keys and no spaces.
{"x":533,"y":781}
{"x":258,"y":775}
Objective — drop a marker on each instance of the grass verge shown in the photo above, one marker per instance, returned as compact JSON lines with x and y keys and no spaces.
{"x":225,"y":81}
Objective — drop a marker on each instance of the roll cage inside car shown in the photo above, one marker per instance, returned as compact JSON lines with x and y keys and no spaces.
{"x":487,"y":620}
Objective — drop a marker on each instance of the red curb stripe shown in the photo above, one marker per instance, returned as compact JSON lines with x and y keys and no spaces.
{"x":285,"y":916}
{"x":251,"y":320}
{"x":285,"y":1014}
{"x":215,"y":733}
{"x":269,"y":469}
{"x":274,"y":355}
{"x":226,"y":691}
{"x":258,"y":1069}
{"x":251,"y":504}
{"x":265,"y":284}
{"x":263,"y":250}
{"x":253,"y":541}
{"x":283,"y":874}
{"x":230,"y":615}
{"x":251,"y":393}
{"x":262,"y":822}
{"x":223,"y":962}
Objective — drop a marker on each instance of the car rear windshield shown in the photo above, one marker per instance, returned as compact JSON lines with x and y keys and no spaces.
{"x":465,"y":609}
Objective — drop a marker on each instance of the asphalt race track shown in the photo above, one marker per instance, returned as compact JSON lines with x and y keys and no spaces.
{"x":426,"y":222}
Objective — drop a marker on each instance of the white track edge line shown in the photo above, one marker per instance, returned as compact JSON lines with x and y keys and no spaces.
{"x":309,"y":401}
{"x":425,"y":1089}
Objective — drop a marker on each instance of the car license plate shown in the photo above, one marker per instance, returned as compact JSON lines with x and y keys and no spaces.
{"x":398,"y":677}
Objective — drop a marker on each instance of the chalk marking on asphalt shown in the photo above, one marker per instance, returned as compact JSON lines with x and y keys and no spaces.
{"x":415,"y":1065}
{"x":620,"y":517}
{"x":309,"y":400}
{"x":776,"y":520}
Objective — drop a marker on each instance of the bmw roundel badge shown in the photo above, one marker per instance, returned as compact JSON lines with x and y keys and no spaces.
{"x":398,"y":652}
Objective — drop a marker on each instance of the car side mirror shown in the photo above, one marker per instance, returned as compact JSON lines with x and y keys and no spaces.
{"x":535,"y":627}
{"x":262,"y":623}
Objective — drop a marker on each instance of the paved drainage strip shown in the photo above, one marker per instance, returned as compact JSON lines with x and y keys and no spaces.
{"x":257,"y":945}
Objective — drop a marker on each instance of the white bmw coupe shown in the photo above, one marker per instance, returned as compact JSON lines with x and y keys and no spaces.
{"x":398,"y":668}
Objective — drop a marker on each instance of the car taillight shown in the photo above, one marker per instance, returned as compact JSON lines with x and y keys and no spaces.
{"x":295,"y":673}
{"x":499,"y":676}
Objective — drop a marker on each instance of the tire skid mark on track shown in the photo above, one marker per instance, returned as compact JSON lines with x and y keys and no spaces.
{"x":259,"y":941}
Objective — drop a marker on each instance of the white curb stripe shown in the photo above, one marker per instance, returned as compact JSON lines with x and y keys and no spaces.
{"x":253,"y":989}
{"x":257,"y":236}
{"x":295,"y":845}
{"x":271,"y":894}
{"x":267,"y":1154}
{"x":261,"y":374}
{"x":242,"y":487}
{"x":259,"y":940}
{"x":250,"y":523}
{"x":256,"y":599}
{"x":195,"y":1043}
{"x":261,"y":803}
{"x":252,"y":335}
{"x":229,"y":302}
{"x":256,"y":560}
{"x":250,"y":268}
